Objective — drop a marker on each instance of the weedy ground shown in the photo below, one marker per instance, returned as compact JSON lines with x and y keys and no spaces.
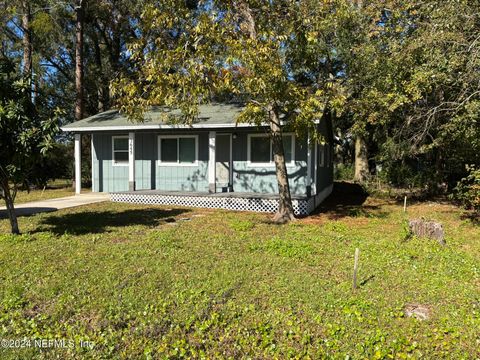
{"x":154,"y":282}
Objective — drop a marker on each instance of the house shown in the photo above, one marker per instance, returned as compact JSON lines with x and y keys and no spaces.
{"x":214,"y":162}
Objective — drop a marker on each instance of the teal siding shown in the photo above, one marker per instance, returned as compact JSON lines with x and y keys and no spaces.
{"x":325,"y":172}
{"x":248,"y":178}
{"x":185,"y":178}
{"x":107,"y":178}
{"x":148,"y":175}
{"x":145,"y":161}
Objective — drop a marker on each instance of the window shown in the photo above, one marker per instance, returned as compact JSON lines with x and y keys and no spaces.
{"x":321,"y":152}
{"x":120,"y":150}
{"x":328,"y":155}
{"x":177,"y":150}
{"x":260,"y":150}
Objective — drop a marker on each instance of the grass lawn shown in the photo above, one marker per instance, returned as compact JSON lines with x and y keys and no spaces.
{"x":153,"y":282}
{"x":56,"y":189}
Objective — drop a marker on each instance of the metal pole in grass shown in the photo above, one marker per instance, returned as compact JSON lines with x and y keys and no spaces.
{"x":355,"y":268}
{"x":405,"y":204}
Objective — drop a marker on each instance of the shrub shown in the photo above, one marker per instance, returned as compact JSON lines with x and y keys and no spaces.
{"x":56,"y":164}
{"x":467,"y":190}
{"x":344,"y":172}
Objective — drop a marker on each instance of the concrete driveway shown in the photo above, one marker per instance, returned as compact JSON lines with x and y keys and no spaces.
{"x":35,"y":207}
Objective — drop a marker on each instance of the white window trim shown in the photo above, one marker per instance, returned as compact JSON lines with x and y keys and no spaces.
{"x":125,"y":163}
{"x":270,"y":163}
{"x":177,"y":163}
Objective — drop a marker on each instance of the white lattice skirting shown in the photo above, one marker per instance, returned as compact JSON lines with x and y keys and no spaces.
{"x":300,"y":207}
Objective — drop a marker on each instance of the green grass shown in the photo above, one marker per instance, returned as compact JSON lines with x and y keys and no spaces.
{"x":153,"y":282}
{"x":56,"y":189}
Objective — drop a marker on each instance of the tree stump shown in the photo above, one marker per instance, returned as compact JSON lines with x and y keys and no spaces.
{"x":427,"y":229}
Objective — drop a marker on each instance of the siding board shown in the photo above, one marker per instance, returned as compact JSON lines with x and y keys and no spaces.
{"x":246,"y":178}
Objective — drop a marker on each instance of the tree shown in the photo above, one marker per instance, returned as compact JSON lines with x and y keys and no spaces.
{"x":79,"y":73}
{"x":246,"y":51}
{"x":24,"y":137}
{"x":27,"y":40}
{"x":413,"y":85}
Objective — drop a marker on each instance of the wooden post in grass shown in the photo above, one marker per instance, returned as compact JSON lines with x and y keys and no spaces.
{"x":355,"y":268}
{"x":405,"y":204}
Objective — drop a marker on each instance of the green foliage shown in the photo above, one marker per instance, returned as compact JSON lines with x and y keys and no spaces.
{"x":467,"y":190}
{"x":413,"y":93}
{"x":254,"y":53}
{"x":241,"y":225}
{"x":56,"y":164}
{"x":344,"y":172}
{"x":25,"y":137}
{"x":336,"y":227}
{"x":401,"y":73}
{"x":285,"y":248}
{"x":408,"y":173}
{"x":405,"y":232}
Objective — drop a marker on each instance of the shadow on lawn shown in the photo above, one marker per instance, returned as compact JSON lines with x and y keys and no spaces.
{"x":98,"y":221}
{"x":348,"y":199}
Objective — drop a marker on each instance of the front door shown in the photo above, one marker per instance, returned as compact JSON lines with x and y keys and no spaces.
{"x":223,"y":163}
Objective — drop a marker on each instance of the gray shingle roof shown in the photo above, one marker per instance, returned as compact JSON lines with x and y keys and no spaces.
{"x":210,"y":116}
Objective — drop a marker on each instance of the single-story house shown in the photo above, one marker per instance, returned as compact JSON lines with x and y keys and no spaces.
{"x":215,"y":162}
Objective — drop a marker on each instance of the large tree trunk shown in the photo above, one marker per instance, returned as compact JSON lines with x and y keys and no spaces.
{"x":102,"y":82}
{"x":116,"y":44}
{"x":361,"y":159}
{"x":9,"y":202}
{"x":79,"y":100}
{"x":285,"y":208}
{"x":27,"y":40}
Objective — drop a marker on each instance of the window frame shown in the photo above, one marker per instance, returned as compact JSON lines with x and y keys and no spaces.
{"x":123,"y":163}
{"x":271,"y":163}
{"x":178,"y":137}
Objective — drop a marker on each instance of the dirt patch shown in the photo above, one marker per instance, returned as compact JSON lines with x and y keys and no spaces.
{"x":418,"y":311}
{"x":120,"y":240}
{"x":349,"y":202}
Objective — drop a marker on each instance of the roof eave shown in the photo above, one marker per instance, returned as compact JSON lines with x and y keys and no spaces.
{"x":152,"y":127}
{"x":161,"y":127}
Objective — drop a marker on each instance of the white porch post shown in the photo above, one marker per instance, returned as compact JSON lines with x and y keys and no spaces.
{"x":211,"y":161}
{"x":309,"y":165}
{"x":78,"y":163}
{"x":131,"y":161}
{"x":92,"y":151}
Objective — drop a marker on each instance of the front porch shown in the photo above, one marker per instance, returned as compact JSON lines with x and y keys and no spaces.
{"x":238,"y":201}
{"x":213,"y":163}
